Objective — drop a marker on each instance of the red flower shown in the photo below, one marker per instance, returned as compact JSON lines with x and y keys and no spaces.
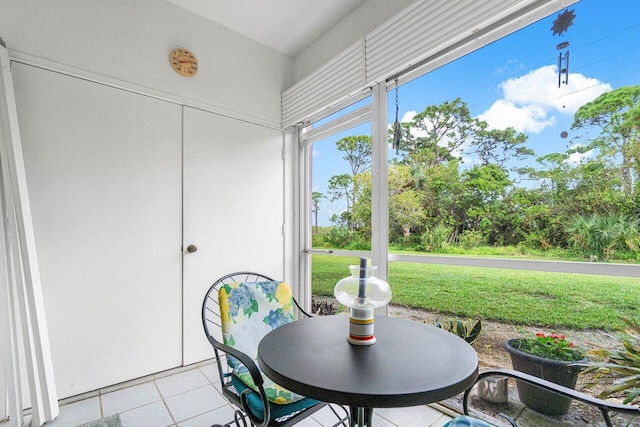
{"x":551,"y":346}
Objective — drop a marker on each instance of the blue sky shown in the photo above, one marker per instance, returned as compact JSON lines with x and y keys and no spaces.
{"x":513,"y":82}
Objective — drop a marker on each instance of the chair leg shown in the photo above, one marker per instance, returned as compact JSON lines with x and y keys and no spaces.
{"x":342,"y":421}
{"x":238,"y":416}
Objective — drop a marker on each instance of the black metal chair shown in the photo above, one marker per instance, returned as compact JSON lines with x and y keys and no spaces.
{"x":605,"y":407}
{"x":243,"y":385}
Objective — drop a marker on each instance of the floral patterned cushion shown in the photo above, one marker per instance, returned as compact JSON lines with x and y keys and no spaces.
{"x":249,"y":311}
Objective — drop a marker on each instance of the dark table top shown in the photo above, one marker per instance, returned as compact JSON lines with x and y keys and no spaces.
{"x":410,"y":364}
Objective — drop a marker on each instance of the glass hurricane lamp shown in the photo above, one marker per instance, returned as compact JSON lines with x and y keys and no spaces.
{"x":362,"y":292}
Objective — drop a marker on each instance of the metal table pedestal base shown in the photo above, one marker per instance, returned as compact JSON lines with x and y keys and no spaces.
{"x":360,"y":417}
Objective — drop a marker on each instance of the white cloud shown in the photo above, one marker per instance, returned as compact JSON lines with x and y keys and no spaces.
{"x":577,"y":158}
{"x":466,"y":160}
{"x":523,"y":118}
{"x":510,"y":66}
{"x":530,"y":101}
{"x":408,"y":117}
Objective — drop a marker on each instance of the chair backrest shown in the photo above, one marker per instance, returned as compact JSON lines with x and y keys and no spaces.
{"x":250,"y":310}
{"x":245,"y":307}
{"x":211,"y":319}
{"x":237,"y":311}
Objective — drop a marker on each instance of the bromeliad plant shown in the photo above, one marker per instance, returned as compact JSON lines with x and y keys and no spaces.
{"x":623,"y":365}
{"x":550,"y":346}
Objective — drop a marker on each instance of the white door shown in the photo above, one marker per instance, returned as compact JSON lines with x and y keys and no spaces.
{"x":233,"y":210}
{"x":104,"y":173}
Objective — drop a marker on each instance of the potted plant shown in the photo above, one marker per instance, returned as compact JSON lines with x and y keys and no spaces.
{"x":548,"y":356}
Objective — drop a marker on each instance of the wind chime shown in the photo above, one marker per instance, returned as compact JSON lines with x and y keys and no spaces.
{"x":560,"y":25}
{"x":397,"y":128}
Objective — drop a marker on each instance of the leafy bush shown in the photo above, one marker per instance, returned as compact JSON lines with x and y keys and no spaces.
{"x":410,"y":243}
{"x":319,"y":239}
{"x":358,"y":244}
{"x":470,"y":239}
{"x":339,"y":237}
{"x":623,"y":365}
{"x":601,"y":235}
{"x":535,"y":240}
{"x":436,"y":237}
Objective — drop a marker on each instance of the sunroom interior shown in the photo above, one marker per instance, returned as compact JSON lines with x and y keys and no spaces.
{"x":129,"y":188}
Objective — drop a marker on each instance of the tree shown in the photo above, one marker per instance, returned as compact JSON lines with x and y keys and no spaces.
{"x":316,"y":196}
{"x":446,"y":132}
{"x":441,"y":132}
{"x":406,"y":212}
{"x":361,"y":210}
{"x":555,"y":175}
{"x":433,"y":145}
{"x":617,"y":115}
{"x":357,"y":151}
{"x":484,"y":188}
{"x":498,"y":146}
{"x":341,"y":186}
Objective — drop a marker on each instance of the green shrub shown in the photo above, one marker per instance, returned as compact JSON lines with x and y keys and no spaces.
{"x":436,"y":237}
{"x":602,"y":234}
{"x":537,"y":240}
{"x":470,"y":239}
{"x":358,"y":244}
{"x":339,"y":237}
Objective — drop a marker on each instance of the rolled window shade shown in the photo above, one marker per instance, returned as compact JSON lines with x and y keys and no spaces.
{"x":336,"y":80}
{"x":422,"y":33}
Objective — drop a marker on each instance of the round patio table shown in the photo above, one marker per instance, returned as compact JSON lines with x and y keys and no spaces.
{"x":410,"y":364}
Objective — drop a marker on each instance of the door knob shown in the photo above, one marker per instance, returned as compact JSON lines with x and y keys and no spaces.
{"x":192,"y":248}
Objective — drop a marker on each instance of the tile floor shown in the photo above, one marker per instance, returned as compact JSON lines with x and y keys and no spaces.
{"x":189,"y":397}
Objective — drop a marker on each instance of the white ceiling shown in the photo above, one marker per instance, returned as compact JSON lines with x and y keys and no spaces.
{"x":288,"y":26}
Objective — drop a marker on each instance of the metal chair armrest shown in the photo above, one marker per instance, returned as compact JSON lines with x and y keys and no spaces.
{"x":604,"y":406}
{"x":302,"y":310}
{"x":242,"y":357}
{"x":255,"y":421}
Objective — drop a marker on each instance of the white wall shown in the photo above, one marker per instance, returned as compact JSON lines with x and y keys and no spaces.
{"x":127,"y":43}
{"x":370,"y":15}
{"x":130,"y":41}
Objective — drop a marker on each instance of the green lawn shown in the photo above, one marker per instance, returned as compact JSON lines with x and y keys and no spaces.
{"x":576,"y":301}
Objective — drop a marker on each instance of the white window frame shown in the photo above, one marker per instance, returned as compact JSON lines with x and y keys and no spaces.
{"x":376,"y":114}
